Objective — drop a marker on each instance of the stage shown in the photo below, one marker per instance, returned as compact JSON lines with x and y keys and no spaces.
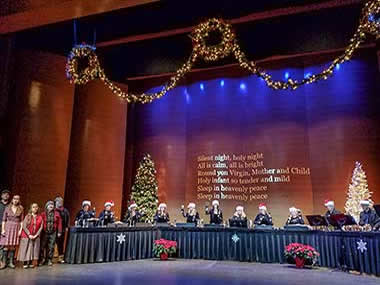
{"x":183,"y":272}
{"x":95,"y":245}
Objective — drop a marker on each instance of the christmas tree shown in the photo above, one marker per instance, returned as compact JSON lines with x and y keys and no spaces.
{"x":357,"y":191}
{"x":144,"y":189}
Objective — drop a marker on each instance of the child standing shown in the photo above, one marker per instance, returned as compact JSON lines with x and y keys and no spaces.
{"x":30,"y":237}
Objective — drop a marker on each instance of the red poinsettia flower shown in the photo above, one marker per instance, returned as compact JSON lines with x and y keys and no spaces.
{"x":294,"y":250}
{"x":163,"y":246}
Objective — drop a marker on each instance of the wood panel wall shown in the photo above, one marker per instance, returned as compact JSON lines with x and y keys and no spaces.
{"x":97,"y":148}
{"x":38,"y":127}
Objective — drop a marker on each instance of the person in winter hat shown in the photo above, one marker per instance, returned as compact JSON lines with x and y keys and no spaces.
{"x":85,"y":213}
{"x":52,"y":229}
{"x":263,"y":217}
{"x":239,"y":219}
{"x":162,"y":215}
{"x":215,"y":213}
{"x":330,"y":205}
{"x":107,"y":216}
{"x":65,"y":216}
{"x":133,"y":215}
{"x":192,"y":215}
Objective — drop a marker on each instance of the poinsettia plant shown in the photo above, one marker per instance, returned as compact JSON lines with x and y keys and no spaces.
{"x":307,"y":252}
{"x":163,"y":246}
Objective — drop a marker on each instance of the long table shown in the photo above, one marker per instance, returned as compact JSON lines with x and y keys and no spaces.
{"x":90,"y":245}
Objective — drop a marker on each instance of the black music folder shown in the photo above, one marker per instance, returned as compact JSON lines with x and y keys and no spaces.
{"x":316,"y":220}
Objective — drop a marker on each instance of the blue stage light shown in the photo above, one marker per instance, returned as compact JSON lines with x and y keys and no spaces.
{"x":243,"y":87}
{"x":337,"y":67}
{"x":307,"y":75}
{"x":221,"y":83}
{"x":187,"y":96}
{"x":201,"y":86}
{"x":287,"y":75}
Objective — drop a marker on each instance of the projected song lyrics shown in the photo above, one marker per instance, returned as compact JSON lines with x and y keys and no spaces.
{"x":240,"y":177}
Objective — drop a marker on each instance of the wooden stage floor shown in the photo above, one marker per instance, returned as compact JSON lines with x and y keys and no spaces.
{"x":181,"y":272}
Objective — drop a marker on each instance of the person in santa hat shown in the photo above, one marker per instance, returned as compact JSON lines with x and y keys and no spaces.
{"x":295,"y":217}
{"x":215,"y":213}
{"x":192,"y":215}
{"x":107,"y":216}
{"x":85,"y":213}
{"x":263,"y":218}
{"x":369,"y":216}
{"x":330,"y":205}
{"x":133,"y":215}
{"x":162,"y":215}
{"x":239,"y":219}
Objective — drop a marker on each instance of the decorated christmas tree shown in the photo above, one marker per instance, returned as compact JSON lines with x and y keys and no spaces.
{"x":357,"y":191}
{"x":144,"y":189}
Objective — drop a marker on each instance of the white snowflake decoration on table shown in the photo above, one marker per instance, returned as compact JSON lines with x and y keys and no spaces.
{"x":362,"y":246}
{"x":120,"y":238}
{"x":235,"y":238}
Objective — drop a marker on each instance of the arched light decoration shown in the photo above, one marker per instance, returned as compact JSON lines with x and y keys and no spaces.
{"x":369,"y":24}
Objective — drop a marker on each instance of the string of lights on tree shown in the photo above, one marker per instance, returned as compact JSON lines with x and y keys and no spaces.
{"x":369,"y":24}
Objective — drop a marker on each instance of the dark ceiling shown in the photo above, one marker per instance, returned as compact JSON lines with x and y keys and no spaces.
{"x":318,"y":30}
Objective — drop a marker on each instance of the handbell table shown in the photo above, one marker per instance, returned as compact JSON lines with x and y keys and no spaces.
{"x":89,"y":245}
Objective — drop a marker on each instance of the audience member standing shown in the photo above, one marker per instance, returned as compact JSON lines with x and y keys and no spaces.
{"x":11,"y":231}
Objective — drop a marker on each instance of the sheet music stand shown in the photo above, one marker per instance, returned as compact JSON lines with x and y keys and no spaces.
{"x":213,"y":226}
{"x":163,"y":225}
{"x":143,"y":225}
{"x":238,"y":224}
{"x":186,"y":225}
{"x":317,"y":220}
{"x":340,"y":220}
{"x":296,"y":228}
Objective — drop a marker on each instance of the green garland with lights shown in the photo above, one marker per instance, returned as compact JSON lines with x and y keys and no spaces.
{"x":228,"y":45}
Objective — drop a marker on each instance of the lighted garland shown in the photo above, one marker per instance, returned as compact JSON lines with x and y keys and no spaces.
{"x":371,"y":18}
{"x":369,"y":23}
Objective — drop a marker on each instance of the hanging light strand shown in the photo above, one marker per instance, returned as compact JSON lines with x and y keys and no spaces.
{"x":369,"y":24}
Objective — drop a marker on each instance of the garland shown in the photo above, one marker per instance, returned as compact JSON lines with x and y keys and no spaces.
{"x":369,"y":24}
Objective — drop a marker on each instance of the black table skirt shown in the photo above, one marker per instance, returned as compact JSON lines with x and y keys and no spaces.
{"x":86,"y":245}
{"x":95,"y":245}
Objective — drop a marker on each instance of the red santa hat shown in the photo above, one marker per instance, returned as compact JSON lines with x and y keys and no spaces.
{"x":329,"y":202}
{"x":262,"y":206}
{"x":109,"y":203}
{"x":86,"y":202}
{"x":132,"y":205}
